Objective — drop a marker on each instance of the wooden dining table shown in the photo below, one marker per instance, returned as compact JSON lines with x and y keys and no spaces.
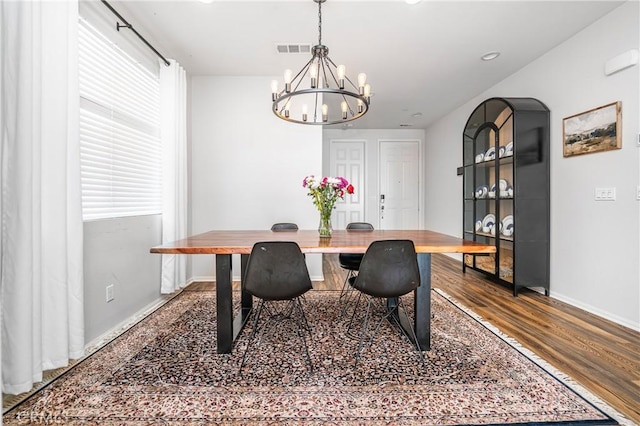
{"x":224,"y":244}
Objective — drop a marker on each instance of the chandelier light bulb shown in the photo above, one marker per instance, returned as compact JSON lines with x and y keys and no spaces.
{"x":304,"y":112}
{"x":325,"y":112}
{"x":343,"y":106}
{"x":341,"y":74}
{"x":287,"y":80}
{"x":274,"y":89}
{"x":362,"y":79}
{"x":367,"y":91}
{"x":360,"y":106}
{"x":313,"y":73}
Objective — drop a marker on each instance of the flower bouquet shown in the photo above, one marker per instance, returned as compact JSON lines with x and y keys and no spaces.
{"x":325,"y":192}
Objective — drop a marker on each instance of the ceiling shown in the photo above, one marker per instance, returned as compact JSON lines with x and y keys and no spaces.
{"x":422,"y":60}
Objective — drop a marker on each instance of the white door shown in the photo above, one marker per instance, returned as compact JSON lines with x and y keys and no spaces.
{"x":399,"y":199}
{"x":347,"y":160}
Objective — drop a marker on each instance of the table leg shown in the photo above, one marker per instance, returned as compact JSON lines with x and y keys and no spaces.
{"x":246,"y":297}
{"x":422,"y":306}
{"x":422,"y":303}
{"x":229,"y":327}
{"x":224,"y":303}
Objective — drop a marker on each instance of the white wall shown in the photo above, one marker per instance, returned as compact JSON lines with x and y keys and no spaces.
{"x":371,"y":138}
{"x":116,"y":252}
{"x":595,"y":252}
{"x":247,"y":165}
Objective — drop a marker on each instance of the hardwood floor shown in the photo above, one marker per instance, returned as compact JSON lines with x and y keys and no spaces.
{"x":600,"y":355}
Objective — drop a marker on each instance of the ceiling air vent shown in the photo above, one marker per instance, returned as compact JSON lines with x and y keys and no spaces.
{"x":293,"y":48}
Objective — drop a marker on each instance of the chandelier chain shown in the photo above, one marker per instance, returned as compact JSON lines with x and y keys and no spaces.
{"x":319,"y":23}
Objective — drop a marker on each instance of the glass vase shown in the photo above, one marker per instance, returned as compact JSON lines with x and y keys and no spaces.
{"x":324,"y":229}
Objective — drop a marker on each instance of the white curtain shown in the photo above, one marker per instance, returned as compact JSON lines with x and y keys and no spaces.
{"x":41,"y":233}
{"x":173,"y":134}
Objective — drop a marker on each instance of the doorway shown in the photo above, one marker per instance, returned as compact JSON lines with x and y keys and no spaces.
{"x":347,"y":159}
{"x":399,"y":200}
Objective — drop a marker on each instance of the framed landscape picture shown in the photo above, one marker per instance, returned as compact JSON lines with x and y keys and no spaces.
{"x":596,"y":130}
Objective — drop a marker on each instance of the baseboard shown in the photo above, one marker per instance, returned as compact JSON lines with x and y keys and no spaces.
{"x":595,"y":311}
{"x":132,"y":320}
{"x":575,"y":303}
{"x":203,"y":278}
{"x":211,"y":279}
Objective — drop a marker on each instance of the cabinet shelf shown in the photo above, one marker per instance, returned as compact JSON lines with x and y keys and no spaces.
{"x":506,"y":159}
{"x":489,"y":235}
{"x":521,"y":126}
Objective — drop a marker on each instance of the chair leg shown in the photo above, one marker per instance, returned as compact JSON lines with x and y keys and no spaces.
{"x":253,"y":334}
{"x":355,"y":309}
{"x":390,"y":313}
{"x":293,"y":311}
{"x":347,"y":290}
{"x":413,"y":333}
{"x":302,"y":324}
{"x":303,"y":316}
{"x":363,"y":331}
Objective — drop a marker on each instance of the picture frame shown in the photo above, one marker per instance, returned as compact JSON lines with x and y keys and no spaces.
{"x":595,"y":130}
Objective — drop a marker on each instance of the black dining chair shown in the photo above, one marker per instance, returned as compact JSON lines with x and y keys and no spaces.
{"x":389,"y":270}
{"x":351,"y":263}
{"x":277,"y":274}
{"x":284,"y":226}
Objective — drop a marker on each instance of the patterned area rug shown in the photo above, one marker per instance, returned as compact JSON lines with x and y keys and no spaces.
{"x":165,"y":370}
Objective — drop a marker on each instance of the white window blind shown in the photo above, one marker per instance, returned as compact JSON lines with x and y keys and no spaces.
{"x":120,"y":152}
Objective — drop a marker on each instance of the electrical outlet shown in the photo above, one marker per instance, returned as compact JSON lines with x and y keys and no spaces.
{"x":110,"y":295}
{"x":605,"y":194}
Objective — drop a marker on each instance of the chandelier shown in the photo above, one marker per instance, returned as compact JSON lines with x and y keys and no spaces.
{"x":321,"y":92}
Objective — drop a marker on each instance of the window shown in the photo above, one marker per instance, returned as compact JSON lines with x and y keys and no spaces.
{"x":120,"y":151}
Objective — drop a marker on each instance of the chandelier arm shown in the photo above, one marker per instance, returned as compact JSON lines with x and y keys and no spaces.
{"x":315,"y":109}
{"x":325,"y":82}
{"x":335,"y":80}
{"x":297,"y":84}
{"x":351,"y":83}
{"x":303,"y":71}
{"x":344,"y":98}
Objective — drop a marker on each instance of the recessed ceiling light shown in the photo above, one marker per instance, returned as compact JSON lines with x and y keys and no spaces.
{"x":489,"y":56}
{"x":416,"y":115}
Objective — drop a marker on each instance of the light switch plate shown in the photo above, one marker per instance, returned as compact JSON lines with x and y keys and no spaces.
{"x":605,"y":194}
{"x":109,"y":291}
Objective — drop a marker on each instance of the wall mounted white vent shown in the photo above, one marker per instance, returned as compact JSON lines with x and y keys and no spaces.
{"x":622,"y":61}
{"x":293,"y":48}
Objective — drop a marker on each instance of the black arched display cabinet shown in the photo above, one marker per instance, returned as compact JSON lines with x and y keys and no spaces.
{"x":506,"y":188}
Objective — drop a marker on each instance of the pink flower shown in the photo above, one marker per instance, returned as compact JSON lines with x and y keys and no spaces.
{"x":327,"y":191}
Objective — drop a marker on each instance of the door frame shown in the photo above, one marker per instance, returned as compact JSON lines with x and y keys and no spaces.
{"x":421,"y":198}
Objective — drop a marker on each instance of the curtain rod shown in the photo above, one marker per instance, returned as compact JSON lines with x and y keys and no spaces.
{"x":128,"y":25}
